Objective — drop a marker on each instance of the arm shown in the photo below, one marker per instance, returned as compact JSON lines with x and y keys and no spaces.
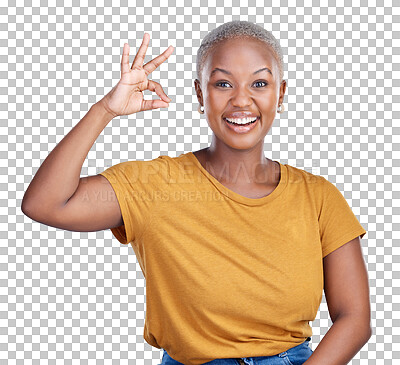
{"x":57,"y":196}
{"x":347,"y":294}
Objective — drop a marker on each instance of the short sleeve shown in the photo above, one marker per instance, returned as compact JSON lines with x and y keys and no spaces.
{"x":337,"y":222}
{"x":134,"y":184}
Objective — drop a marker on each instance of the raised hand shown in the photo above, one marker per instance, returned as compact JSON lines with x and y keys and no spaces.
{"x":126,"y":96}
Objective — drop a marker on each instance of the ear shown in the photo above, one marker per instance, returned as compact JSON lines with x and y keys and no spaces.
{"x":199,"y":93}
{"x":282,"y":92}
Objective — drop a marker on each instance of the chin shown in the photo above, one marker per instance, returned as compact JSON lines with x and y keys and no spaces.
{"x":241,"y":144}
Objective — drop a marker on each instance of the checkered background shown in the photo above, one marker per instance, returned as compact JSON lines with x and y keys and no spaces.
{"x":81,"y":296}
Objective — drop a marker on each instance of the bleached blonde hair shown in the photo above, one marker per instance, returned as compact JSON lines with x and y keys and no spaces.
{"x":237,"y":29}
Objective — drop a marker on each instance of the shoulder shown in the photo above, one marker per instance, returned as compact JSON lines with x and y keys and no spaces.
{"x":314,"y":188}
{"x":300,"y":176}
{"x":143,"y":170}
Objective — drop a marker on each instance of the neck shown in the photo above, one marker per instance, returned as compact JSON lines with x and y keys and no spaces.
{"x":238,"y":167}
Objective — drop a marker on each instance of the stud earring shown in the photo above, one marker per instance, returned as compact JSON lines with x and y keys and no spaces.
{"x":281,"y":108}
{"x":201,"y":111}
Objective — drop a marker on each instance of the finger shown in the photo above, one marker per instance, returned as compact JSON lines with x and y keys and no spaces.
{"x":139,"y":58}
{"x":125,"y":59}
{"x":153,"y":104}
{"x":157,"y":88}
{"x":150,"y":66}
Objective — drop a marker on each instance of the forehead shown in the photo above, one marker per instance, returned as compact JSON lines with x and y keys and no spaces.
{"x":241,"y":55}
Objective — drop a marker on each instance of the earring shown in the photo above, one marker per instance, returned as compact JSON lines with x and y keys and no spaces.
{"x":281,"y":108}
{"x":201,"y":111}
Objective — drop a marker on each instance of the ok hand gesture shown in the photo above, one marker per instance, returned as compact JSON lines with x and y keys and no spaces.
{"x":126,"y":96}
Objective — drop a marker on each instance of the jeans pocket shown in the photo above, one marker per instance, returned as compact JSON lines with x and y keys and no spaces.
{"x":287,"y":361}
{"x":299,"y":354}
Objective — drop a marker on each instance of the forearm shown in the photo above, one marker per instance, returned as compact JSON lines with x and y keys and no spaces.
{"x":58,"y":177}
{"x":342,"y":342}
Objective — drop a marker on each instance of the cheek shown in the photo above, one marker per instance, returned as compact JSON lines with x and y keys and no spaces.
{"x":216,"y":100}
{"x":268,"y":100}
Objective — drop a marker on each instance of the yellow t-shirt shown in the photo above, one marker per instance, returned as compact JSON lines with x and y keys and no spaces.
{"x":228,"y":276}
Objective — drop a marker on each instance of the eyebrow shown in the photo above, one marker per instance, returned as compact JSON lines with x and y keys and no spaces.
{"x":229,"y":73}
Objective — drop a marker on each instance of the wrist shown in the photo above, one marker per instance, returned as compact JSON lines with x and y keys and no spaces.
{"x":101,"y":106}
{"x":100,"y":114}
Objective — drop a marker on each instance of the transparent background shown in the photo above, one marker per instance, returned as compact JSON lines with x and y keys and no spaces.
{"x":81,"y":296}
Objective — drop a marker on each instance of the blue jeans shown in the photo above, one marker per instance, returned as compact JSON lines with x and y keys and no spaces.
{"x":295,"y":356}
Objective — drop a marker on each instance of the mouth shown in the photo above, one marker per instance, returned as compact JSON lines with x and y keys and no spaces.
{"x":239,"y":125}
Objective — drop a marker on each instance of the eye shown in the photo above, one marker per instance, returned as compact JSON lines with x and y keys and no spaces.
{"x":257,"y":82}
{"x":221,"y":83}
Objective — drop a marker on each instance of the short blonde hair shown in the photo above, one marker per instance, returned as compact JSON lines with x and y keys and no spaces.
{"x":237,"y":29}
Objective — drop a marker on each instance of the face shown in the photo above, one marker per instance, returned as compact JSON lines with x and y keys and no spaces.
{"x":240,"y":78}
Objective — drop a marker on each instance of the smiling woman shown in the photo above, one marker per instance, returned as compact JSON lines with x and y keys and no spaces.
{"x":236,"y":248}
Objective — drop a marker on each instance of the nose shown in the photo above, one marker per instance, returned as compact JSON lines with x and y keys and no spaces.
{"x":241,"y":97}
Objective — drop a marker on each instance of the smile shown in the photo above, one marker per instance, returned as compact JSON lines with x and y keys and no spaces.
{"x":241,"y":125}
{"x":241,"y":121}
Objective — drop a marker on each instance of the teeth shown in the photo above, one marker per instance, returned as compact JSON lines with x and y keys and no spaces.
{"x":241,"y":120}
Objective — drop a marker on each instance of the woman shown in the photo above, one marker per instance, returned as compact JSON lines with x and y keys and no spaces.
{"x":235,"y":248}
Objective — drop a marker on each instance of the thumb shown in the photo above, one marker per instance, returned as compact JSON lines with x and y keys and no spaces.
{"x":154,"y":104}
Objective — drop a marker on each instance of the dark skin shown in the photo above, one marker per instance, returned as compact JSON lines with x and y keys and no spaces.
{"x":238,"y":161}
